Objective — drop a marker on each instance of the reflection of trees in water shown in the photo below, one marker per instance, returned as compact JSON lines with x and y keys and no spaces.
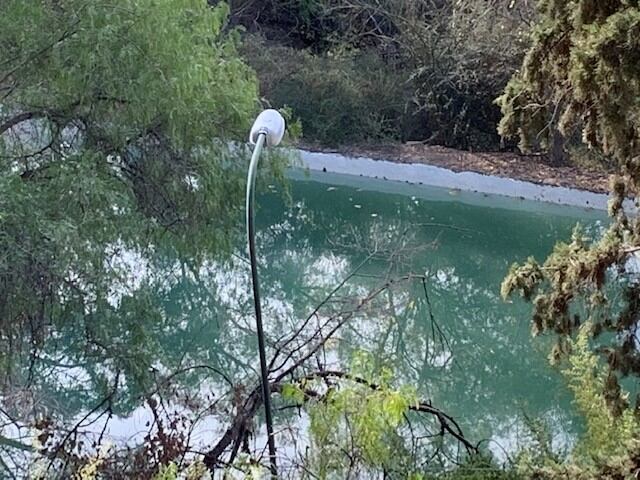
{"x":475,"y":355}
{"x":490,"y":363}
{"x":332,"y":285}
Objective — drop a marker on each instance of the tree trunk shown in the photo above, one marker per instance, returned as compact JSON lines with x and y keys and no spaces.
{"x":557,"y":154}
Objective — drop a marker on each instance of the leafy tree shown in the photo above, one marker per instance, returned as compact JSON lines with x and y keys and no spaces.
{"x":583,"y":72}
{"x":115,"y":123}
{"x":609,"y":447}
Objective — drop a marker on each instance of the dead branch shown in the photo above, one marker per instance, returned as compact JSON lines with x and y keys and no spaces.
{"x":236,"y":435}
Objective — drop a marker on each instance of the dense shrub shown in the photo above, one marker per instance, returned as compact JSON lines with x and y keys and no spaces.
{"x":341,"y":97}
{"x":297,"y":23}
{"x":609,"y":446}
{"x":405,"y":70}
{"x":463,"y":56}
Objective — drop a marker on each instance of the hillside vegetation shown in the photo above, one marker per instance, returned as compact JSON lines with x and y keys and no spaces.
{"x":387,"y":70}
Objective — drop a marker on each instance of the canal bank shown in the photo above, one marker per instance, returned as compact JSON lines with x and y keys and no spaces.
{"x":435,"y":176}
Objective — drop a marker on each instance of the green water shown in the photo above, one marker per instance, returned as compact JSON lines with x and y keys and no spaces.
{"x":459,"y":344}
{"x":489,"y":373}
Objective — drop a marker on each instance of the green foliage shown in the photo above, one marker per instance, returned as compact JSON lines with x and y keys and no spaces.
{"x":340,"y":97}
{"x":389,"y":70}
{"x":168,"y":472}
{"x":116,"y":123}
{"x":582,"y":73}
{"x":293,"y":393}
{"x":573,"y":268}
{"x":174,"y":69}
{"x":572,"y":283}
{"x":606,"y":436}
{"x":609,"y":447}
{"x":361,"y":420}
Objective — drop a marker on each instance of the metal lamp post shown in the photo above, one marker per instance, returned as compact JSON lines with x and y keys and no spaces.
{"x":268,"y":129}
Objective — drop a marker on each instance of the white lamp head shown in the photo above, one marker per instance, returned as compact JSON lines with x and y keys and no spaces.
{"x":272,"y":124}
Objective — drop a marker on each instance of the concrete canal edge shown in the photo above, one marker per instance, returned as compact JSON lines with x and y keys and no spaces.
{"x":422,"y":174}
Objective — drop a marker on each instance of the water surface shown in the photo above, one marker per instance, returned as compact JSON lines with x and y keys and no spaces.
{"x":450,"y":336}
{"x":489,"y":372}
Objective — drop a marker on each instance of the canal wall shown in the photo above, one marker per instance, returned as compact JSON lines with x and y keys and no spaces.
{"x":422,"y":174}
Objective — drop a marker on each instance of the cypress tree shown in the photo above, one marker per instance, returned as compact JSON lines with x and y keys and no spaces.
{"x":582,"y":73}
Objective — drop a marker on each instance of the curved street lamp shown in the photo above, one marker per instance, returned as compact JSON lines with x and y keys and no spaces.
{"x":268,"y":129}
